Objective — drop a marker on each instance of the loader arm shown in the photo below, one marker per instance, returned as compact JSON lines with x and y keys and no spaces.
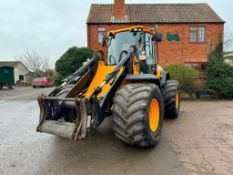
{"x":90,"y":110}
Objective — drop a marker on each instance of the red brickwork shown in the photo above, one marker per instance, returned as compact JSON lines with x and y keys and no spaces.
{"x":182,"y":51}
{"x":119,"y":9}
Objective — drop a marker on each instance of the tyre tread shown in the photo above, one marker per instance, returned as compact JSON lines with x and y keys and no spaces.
{"x":128,"y":124}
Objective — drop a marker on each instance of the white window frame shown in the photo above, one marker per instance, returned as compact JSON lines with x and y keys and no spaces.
{"x":197,"y":34}
{"x":101,"y":32}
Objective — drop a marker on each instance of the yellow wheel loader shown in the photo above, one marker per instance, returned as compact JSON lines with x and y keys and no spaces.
{"x":126,"y":85}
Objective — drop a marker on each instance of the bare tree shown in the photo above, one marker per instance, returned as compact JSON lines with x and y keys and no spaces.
{"x":228,"y":38}
{"x":34,"y":61}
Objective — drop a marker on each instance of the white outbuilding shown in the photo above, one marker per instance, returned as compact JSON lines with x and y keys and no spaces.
{"x":21,"y":72}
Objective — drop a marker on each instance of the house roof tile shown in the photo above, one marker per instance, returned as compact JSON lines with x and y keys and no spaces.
{"x":156,"y":13}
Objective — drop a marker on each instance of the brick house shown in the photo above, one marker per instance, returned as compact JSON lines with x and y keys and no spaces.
{"x":190,"y":31}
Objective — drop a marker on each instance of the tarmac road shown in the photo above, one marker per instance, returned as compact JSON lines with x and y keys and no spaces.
{"x":26,"y":152}
{"x":199,"y":142}
{"x":23,"y":93}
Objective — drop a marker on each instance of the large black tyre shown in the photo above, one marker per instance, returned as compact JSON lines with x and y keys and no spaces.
{"x":132,"y":113}
{"x":171,"y":96}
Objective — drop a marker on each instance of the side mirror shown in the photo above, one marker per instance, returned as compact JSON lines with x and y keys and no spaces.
{"x":104,"y":41}
{"x":158,"y":37}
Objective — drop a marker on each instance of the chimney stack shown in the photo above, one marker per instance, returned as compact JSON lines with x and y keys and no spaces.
{"x":119,"y":9}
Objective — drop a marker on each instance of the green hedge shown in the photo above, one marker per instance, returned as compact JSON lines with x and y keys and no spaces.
{"x":72,"y":60}
{"x":220,"y":74}
{"x":185,"y":75}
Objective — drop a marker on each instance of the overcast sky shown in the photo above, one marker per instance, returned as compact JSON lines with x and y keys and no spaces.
{"x":50,"y":27}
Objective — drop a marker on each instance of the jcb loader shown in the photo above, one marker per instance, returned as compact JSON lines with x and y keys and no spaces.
{"x":126,"y":85}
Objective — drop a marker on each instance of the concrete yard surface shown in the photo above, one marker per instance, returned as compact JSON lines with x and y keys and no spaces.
{"x":200,"y":141}
{"x":203,"y":137}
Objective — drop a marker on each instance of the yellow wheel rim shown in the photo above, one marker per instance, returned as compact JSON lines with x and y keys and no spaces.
{"x":154,"y":114}
{"x":177,"y":100}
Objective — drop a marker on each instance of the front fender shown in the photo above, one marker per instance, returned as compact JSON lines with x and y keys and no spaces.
{"x":143,"y":78}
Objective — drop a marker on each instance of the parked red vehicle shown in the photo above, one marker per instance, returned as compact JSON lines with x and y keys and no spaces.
{"x":42,"y":82}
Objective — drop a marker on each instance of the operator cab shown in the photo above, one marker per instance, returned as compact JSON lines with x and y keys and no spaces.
{"x":143,"y":44}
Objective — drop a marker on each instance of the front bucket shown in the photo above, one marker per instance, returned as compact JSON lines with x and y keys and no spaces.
{"x":61,"y":129}
{"x":51,"y":124}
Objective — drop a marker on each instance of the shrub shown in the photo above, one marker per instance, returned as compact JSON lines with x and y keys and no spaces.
{"x":220,"y":74}
{"x":72,"y":60}
{"x":58,"y":80}
{"x":200,"y":84}
{"x":185,"y":75}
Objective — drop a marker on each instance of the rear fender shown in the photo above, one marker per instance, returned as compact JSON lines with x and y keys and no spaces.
{"x":165,"y":77}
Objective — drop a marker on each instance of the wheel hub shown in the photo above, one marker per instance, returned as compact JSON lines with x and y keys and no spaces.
{"x":154,"y":115}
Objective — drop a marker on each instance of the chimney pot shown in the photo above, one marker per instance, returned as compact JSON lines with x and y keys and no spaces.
{"x":119,"y":9}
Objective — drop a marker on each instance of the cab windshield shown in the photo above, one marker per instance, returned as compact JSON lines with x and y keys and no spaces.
{"x":123,"y":41}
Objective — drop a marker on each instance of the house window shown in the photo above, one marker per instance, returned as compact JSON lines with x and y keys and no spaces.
{"x":197,"y":34}
{"x":21,"y":77}
{"x":101,"y":31}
